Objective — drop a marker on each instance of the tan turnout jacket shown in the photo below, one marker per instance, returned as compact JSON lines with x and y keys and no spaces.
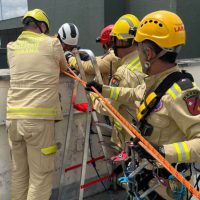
{"x":127,"y":75}
{"x":35,"y":61}
{"x":175,"y":121}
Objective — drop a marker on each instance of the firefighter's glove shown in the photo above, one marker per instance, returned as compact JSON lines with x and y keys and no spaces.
{"x":74,"y":70}
{"x":95,"y":85}
{"x":72,"y":62}
{"x":143,"y":153}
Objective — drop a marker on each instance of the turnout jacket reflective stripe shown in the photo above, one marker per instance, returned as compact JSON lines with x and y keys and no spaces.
{"x":35,"y":61}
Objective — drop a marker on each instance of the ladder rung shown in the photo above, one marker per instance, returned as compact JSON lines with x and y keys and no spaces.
{"x":95,"y":182}
{"x":88,"y":162}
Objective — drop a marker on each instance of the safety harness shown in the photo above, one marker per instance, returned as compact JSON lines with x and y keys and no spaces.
{"x":184,"y":81}
{"x":151,"y":101}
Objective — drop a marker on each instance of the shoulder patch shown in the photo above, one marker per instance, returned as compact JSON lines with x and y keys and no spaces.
{"x":185,"y":84}
{"x":192,"y":100}
{"x":115,"y":82}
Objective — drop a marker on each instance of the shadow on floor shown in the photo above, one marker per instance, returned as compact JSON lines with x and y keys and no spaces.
{"x":109,"y":195}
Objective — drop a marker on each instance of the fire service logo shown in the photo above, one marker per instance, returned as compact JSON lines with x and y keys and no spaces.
{"x":192,"y":100}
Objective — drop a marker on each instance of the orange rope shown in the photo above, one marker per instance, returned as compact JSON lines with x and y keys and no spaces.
{"x":134,"y":133}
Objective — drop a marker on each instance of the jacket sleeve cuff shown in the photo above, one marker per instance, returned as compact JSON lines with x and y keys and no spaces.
{"x":170,"y":153}
{"x":106,"y":91}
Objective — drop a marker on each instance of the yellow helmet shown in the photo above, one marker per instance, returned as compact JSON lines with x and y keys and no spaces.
{"x":125,"y":27}
{"x":38,"y":15}
{"x":164,"y":28}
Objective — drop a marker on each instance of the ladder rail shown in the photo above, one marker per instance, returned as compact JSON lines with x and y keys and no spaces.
{"x":89,"y":117}
{"x":94,"y":63}
{"x":90,"y":114}
{"x":88,"y":122}
{"x":100,"y":80}
{"x":67,"y":141}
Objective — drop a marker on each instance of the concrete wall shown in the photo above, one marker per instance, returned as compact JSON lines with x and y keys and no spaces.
{"x":92,"y":15}
{"x":142,"y":7}
{"x":88,"y":15}
{"x":3,"y":59}
{"x":188,"y":10}
{"x":11,"y":23}
{"x":113,"y":10}
{"x":4,"y":150}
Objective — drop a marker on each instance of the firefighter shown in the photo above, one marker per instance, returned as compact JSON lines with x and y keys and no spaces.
{"x":169,"y":113}
{"x":104,"y":38}
{"x":33,"y":105}
{"x":127,"y":75}
{"x":107,"y":63}
{"x":68,"y":34}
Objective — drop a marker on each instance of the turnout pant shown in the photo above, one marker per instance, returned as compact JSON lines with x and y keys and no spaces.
{"x":32,"y":168}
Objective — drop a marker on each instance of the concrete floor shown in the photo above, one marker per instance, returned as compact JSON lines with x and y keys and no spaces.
{"x":109,"y":195}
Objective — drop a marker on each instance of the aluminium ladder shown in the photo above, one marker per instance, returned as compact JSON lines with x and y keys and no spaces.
{"x":89,"y":117}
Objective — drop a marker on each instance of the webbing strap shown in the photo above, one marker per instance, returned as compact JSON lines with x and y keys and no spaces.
{"x":170,"y":80}
{"x":161,"y":90}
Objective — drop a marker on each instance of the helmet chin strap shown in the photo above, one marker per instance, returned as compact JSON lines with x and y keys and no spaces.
{"x":38,"y":25}
{"x":148,"y":64}
{"x":119,"y":47}
{"x":115,"y":47}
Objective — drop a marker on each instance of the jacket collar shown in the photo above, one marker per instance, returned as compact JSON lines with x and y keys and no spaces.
{"x":128,"y":58}
{"x":152,"y":82}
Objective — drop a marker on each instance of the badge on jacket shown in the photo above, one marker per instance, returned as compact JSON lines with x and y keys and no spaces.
{"x":115,"y":82}
{"x":192,"y":100}
{"x":158,"y":107}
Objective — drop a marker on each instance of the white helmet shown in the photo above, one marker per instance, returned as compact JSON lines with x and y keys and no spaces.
{"x":69,"y":34}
